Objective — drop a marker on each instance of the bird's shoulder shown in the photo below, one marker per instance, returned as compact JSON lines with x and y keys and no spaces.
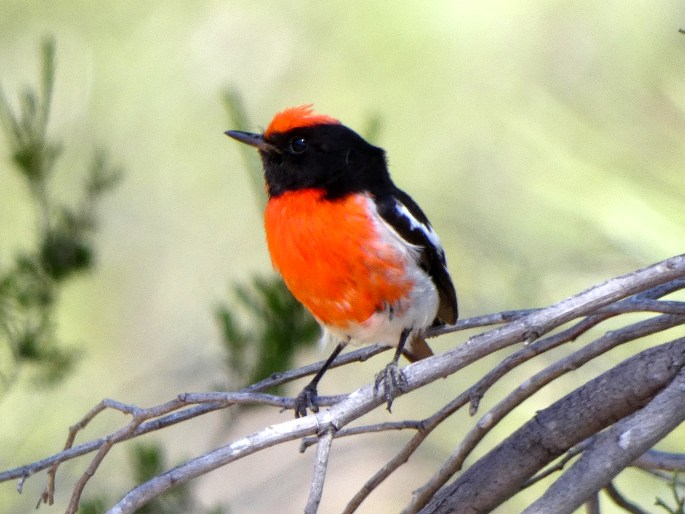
{"x":401,"y":213}
{"x":405,"y":217}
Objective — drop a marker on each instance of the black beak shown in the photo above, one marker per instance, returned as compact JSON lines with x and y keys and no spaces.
{"x":256,"y":140}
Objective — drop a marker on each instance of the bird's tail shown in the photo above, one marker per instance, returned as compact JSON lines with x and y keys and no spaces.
{"x":417,"y":349}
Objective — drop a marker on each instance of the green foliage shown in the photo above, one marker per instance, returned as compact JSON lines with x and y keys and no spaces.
{"x":679,"y":499}
{"x":146,"y":462}
{"x":30,"y":287}
{"x":32,"y":152}
{"x":276,"y":325}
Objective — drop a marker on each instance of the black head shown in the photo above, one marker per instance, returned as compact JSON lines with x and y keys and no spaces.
{"x":327,"y":156}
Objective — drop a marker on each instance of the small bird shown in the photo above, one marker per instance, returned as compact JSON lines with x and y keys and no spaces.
{"x":351,"y":246}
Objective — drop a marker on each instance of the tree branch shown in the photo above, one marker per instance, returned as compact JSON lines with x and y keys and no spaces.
{"x":634,"y":292}
{"x":655,"y":459}
{"x":619,"y":500}
{"x":592,"y":407}
{"x":617,"y":447}
{"x":592,"y":505}
{"x":323,"y":450}
{"x":527,"y":389}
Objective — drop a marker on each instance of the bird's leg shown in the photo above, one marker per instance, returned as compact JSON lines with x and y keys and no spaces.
{"x":307,"y":397}
{"x":391,"y":376}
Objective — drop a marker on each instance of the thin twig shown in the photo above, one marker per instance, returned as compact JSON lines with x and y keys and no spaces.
{"x":665,"y":476}
{"x":592,"y":505}
{"x":655,"y":459}
{"x":644,"y":305}
{"x":620,"y":500}
{"x":366,"y":429}
{"x":664,"y":289}
{"x":560,"y":464}
{"x":401,"y":457}
{"x":222,"y":400}
{"x":478,"y":390}
{"x":283,"y":377}
{"x":48,"y":494}
{"x":486,"y":320}
{"x":323,"y":451}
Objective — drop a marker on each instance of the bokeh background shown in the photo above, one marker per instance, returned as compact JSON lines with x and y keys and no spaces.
{"x":544,"y":140}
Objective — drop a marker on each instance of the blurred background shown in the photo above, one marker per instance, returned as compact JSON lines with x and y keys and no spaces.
{"x":543,"y":139}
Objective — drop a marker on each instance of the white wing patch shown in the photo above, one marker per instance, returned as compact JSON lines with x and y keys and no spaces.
{"x":427,"y":230}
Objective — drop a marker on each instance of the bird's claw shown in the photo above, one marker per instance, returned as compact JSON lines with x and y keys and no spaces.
{"x":393,"y":380}
{"x":306,"y":400}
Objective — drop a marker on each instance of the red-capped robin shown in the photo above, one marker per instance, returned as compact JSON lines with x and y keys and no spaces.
{"x":355,"y":249}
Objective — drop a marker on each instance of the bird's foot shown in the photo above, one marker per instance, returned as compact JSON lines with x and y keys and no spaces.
{"x":393,"y":380}
{"x":306,"y":400}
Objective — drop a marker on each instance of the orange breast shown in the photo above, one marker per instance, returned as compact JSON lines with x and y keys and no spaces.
{"x":331,"y":257}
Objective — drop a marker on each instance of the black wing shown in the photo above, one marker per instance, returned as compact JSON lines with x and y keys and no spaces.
{"x":406,"y":217}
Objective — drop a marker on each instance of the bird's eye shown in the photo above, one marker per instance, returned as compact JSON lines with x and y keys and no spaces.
{"x":298,"y":145}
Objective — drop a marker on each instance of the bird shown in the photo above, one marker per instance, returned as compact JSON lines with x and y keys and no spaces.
{"x":352,"y":247}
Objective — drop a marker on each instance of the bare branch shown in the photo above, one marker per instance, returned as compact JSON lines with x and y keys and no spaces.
{"x":204,"y":405}
{"x":663,"y":289}
{"x":486,"y":320}
{"x":365,"y":353}
{"x":366,"y":429}
{"x":323,"y":450}
{"x":630,"y":305}
{"x":270,"y":436}
{"x":673,"y":478}
{"x":276,"y":379}
{"x":655,"y":459}
{"x":619,"y":500}
{"x":561,"y":464}
{"x":596,"y":304}
{"x":525,"y":390}
{"x":616,"y":448}
{"x":592,"y":505}
{"x":593,"y":406}
{"x":534,"y":324}
{"x":526,"y":353}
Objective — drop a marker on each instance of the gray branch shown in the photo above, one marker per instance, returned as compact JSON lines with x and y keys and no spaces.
{"x":610,"y":400}
{"x":588,"y":410}
{"x":618,"y":446}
